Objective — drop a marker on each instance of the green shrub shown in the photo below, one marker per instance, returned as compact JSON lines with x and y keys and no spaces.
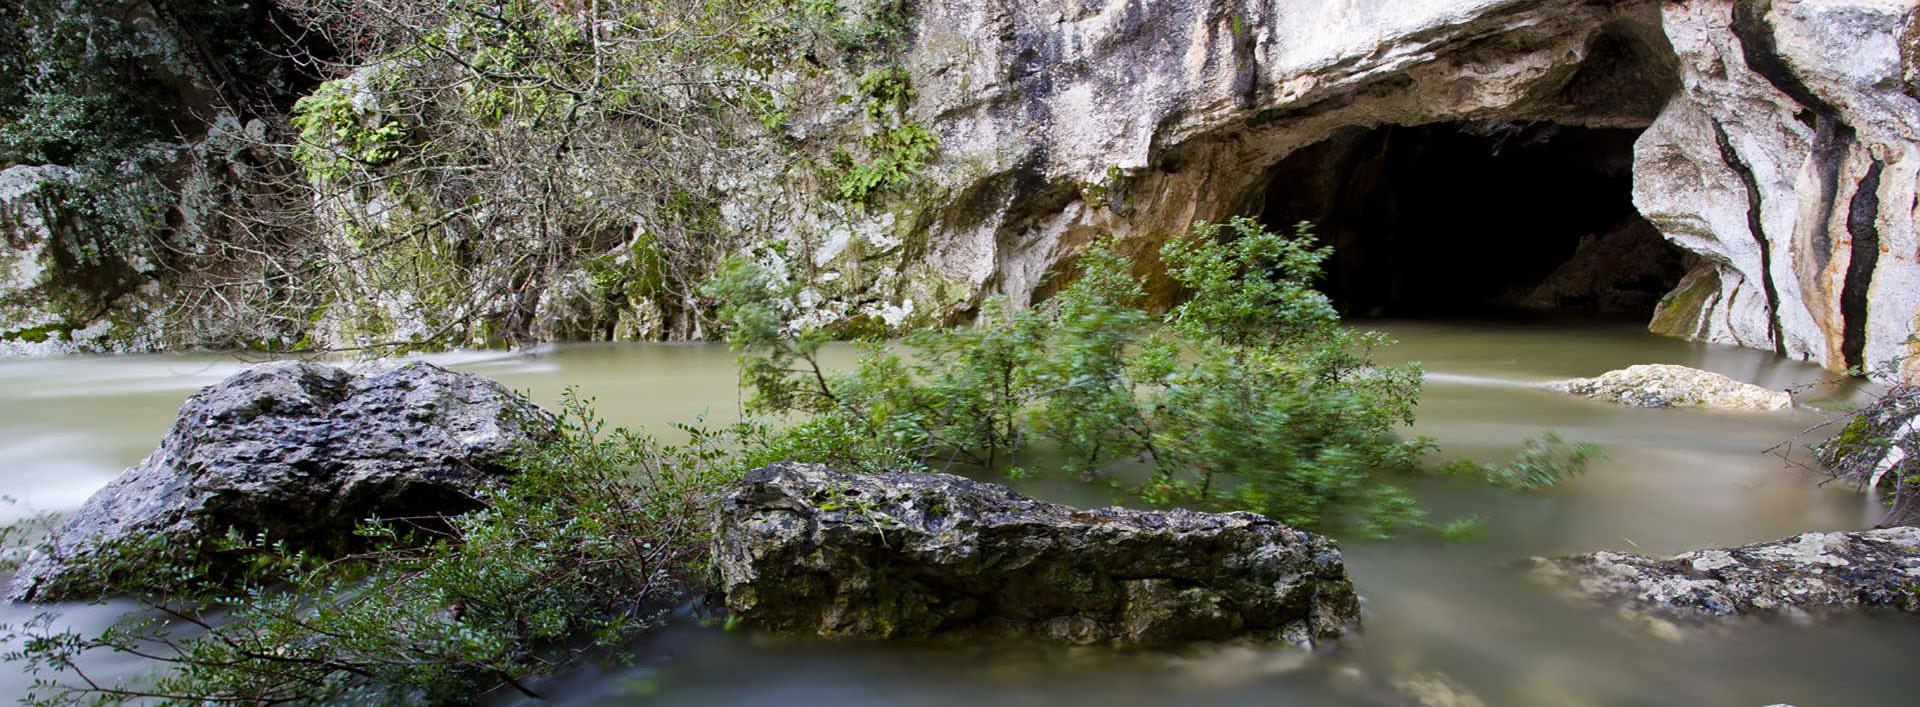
{"x":1251,"y":395}
{"x":897,"y":155}
{"x":334,"y":139}
{"x":897,"y":150}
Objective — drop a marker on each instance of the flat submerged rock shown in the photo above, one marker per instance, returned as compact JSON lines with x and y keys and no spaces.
{"x":1805,"y":572}
{"x":804,"y":548}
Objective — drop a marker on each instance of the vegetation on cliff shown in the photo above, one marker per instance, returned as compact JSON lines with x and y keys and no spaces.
{"x":98,"y":102}
{"x":87,"y":83}
{"x":471,"y":174}
{"x":486,"y":174}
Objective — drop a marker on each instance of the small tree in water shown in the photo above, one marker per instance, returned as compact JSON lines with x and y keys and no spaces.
{"x":1250,"y":395}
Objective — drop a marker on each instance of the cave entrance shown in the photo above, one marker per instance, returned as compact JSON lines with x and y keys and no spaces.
{"x":1473,"y":219}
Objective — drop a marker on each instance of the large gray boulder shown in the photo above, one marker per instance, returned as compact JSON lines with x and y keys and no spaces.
{"x":1804,"y":572}
{"x":302,"y":452}
{"x":804,"y":548}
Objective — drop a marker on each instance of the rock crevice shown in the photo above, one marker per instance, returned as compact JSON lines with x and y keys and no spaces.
{"x":1863,"y":254}
{"x":1756,"y":228}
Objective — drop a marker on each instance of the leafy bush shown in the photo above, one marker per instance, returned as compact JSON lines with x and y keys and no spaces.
{"x":332,"y":139}
{"x":1250,"y":395}
{"x":597,"y":535}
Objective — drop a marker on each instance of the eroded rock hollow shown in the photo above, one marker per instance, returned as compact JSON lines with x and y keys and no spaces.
{"x":1453,"y":219}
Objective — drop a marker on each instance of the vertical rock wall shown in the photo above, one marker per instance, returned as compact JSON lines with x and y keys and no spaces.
{"x":1789,"y":160}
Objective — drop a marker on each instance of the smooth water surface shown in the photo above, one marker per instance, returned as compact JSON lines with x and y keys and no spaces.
{"x":1436,"y":612}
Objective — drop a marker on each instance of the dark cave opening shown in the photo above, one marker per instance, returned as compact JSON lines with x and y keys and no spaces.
{"x":1477,"y":219}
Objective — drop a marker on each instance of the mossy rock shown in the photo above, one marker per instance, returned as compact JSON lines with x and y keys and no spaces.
{"x":807,"y":549}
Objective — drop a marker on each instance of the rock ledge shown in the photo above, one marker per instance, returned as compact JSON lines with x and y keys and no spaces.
{"x":1807,"y":571}
{"x":805,"y":548}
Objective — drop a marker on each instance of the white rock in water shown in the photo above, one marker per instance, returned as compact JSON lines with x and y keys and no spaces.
{"x":1436,"y":690}
{"x":1659,"y":385}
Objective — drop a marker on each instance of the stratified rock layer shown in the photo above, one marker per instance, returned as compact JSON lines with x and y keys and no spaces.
{"x":1807,"y":571}
{"x":300,"y":451}
{"x":1660,"y":385}
{"x":804,"y":548}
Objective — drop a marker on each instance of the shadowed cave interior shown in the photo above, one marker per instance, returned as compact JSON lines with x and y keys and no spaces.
{"x":1477,"y":219}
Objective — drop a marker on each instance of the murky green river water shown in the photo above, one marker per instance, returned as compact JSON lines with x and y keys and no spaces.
{"x":1676,"y":479}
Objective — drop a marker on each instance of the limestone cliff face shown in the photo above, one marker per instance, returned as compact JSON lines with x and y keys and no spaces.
{"x":1779,"y":146}
{"x":1137,"y":118}
{"x":126,"y":129}
{"x":1789,"y":160}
